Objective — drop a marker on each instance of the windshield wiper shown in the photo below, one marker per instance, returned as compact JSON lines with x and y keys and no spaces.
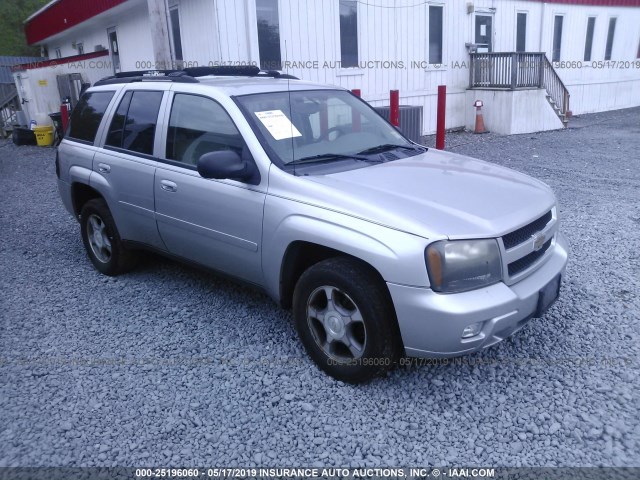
{"x":327,"y":157}
{"x":386,"y":147}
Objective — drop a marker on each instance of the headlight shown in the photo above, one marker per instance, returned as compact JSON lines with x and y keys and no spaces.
{"x":463,"y":265}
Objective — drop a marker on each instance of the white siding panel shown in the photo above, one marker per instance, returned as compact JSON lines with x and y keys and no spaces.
{"x":393,"y":31}
{"x":134,"y":39}
{"x":199,"y":31}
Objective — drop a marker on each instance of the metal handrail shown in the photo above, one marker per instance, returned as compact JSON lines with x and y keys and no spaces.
{"x":8,"y":110}
{"x":8,"y":99}
{"x":555,"y":87}
{"x":512,"y":70}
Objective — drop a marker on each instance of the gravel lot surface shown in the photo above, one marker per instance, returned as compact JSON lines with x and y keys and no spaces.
{"x":169,"y":366}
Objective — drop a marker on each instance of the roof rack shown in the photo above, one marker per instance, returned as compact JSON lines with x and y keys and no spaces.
{"x":189,"y":75}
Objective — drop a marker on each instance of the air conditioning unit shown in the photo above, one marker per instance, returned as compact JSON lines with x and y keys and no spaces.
{"x":410,"y":120}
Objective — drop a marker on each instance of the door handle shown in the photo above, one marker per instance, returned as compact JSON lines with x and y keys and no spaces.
{"x":168,"y":186}
{"x":104,"y":168}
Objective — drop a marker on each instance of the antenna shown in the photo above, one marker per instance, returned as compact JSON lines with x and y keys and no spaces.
{"x":286,"y":65}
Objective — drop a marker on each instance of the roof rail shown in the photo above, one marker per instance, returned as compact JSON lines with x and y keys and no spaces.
{"x":224,"y":71}
{"x":130,"y":77}
{"x":188,"y":75}
{"x":236,"y":71}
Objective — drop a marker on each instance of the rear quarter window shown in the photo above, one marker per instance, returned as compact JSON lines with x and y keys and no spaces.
{"x":86,"y":117}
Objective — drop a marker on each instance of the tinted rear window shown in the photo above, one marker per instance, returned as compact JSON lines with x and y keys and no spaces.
{"x":134,"y":125}
{"x":86,"y":117}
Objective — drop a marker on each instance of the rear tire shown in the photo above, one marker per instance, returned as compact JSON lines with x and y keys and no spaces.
{"x":102,"y":240}
{"x":345,"y":320}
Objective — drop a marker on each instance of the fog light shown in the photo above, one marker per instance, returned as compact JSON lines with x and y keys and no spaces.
{"x":472,"y":330}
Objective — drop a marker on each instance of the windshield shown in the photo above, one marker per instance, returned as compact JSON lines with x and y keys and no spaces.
{"x":330,"y":124}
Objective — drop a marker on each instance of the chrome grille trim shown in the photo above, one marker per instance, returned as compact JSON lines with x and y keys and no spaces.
{"x":523,"y":234}
{"x":525,"y":248}
{"x":525,"y":262}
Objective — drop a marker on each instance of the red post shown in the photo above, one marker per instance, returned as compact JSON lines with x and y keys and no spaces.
{"x":64,"y":111}
{"x":442,"y":104}
{"x":394,"y":114}
{"x":355,"y":115}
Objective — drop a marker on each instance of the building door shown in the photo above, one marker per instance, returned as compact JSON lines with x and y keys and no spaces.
{"x":113,"y":48}
{"x":484,"y":33}
{"x":25,"y":96}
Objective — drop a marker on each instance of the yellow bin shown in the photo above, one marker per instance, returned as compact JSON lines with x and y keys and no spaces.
{"x":44,"y":135}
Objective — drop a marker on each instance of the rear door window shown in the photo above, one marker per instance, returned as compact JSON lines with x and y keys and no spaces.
{"x":85,"y":118}
{"x":133,"y":127}
{"x":114,"y":136}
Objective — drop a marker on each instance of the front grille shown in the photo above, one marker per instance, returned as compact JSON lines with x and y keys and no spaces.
{"x":523,"y":234}
{"x":525,"y":262}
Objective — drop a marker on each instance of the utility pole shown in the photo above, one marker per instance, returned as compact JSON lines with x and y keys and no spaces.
{"x":159,"y":24}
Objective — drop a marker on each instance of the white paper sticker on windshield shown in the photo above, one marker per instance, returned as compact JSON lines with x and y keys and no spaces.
{"x":279,"y":126}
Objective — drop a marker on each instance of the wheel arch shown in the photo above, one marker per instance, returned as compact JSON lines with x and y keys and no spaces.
{"x":81,"y":193}
{"x":300,"y":255}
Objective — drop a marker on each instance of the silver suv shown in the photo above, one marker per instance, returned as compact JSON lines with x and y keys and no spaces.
{"x":381,"y":247}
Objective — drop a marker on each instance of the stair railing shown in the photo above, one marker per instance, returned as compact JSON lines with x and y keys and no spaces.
{"x":512,"y":70}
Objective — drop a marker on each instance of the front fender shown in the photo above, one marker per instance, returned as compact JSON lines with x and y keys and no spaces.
{"x":397,"y":256}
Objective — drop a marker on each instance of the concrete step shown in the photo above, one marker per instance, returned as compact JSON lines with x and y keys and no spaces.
{"x":556,"y":108}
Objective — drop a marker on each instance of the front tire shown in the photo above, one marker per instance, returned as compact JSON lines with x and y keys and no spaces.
{"x":345,"y":320}
{"x":102,"y":240}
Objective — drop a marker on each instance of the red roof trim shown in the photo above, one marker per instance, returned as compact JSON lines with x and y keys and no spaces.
{"x":596,"y":3}
{"x":63,"y":15}
{"x":58,"y":61}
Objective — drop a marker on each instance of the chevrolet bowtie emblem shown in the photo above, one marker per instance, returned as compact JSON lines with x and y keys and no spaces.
{"x":538,"y":241}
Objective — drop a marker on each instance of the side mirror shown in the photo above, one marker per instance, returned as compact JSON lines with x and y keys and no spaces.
{"x":224,"y":164}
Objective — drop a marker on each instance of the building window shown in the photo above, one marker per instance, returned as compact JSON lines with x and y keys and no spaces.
{"x":435,"y":34}
{"x":557,"y":38}
{"x":268,"y":34}
{"x":610,"y":33}
{"x":174,"y":17}
{"x":58,"y":53}
{"x":588,"y":43}
{"x":521,"y":32}
{"x":80,"y":48}
{"x":349,"y":33}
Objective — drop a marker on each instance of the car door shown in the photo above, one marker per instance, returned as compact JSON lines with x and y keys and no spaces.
{"x":127,"y":164}
{"x":215,"y":223}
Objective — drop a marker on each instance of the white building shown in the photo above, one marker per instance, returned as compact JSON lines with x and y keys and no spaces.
{"x":371,"y":45}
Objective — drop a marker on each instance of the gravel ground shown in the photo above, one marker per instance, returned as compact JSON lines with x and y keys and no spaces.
{"x":169,"y":366}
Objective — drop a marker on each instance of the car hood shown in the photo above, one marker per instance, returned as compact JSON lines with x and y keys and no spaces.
{"x":435,"y":194}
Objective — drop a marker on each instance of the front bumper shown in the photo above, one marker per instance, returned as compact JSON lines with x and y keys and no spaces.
{"x":431,"y":324}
